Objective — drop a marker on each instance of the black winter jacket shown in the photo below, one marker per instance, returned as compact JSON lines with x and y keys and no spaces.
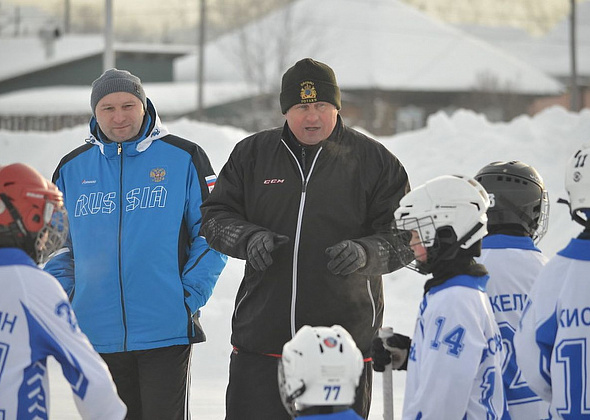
{"x":352,"y":187}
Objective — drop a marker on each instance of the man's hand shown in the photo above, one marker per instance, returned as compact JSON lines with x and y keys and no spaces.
{"x":259,"y":247}
{"x":395,"y":351}
{"x":346,"y":257}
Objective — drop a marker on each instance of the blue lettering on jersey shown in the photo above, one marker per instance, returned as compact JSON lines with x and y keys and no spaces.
{"x":63,"y":309}
{"x":507,"y":302}
{"x":7,"y":322}
{"x":412,"y":354}
{"x":574,"y":317}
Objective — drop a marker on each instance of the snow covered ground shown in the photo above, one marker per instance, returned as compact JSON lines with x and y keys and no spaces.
{"x":461,"y":144}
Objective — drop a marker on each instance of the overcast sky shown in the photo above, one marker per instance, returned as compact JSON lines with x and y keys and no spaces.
{"x":533,"y":15}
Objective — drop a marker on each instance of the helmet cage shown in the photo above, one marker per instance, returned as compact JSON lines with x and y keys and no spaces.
{"x":54,"y":232}
{"x":447,"y":212}
{"x":443,"y":246}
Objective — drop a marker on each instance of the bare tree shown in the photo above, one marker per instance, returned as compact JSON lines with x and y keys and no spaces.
{"x":263,"y":44}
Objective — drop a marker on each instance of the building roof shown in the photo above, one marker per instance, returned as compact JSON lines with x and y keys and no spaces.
{"x":370,"y":44}
{"x":22,"y":55}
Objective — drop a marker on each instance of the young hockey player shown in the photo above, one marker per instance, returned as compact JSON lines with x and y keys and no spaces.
{"x":319,"y":373}
{"x":517,"y":220}
{"x":552,"y":339}
{"x":454,"y":360}
{"x":36,"y":319}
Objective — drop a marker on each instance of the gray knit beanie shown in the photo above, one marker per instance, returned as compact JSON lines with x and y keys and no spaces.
{"x":114,"y":80}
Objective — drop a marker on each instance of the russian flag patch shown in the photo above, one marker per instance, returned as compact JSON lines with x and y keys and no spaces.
{"x":211,"y":181}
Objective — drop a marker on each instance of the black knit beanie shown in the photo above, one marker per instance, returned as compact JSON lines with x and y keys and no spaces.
{"x":309,"y":81}
{"x":114,"y":80}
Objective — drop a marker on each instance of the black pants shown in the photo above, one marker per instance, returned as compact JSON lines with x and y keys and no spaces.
{"x":154,"y":384}
{"x":253,"y":389}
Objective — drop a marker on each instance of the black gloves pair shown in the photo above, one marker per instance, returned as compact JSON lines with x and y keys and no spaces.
{"x":345,"y":257}
{"x":259,"y":247}
{"x":394,"y":350}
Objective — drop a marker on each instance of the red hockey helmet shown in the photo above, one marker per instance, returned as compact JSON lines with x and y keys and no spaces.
{"x":32,"y":214}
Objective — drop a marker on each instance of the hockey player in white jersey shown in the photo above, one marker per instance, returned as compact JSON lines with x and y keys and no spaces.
{"x":553,"y":339}
{"x":454,"y":359}
{"x":517,"y":220}
{"x":319,"y":373}
{"x":36,"y":320}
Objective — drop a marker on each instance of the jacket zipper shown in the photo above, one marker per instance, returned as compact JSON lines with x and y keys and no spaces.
{"x":304,"y":182}
{"x":372,"y":299}
{"x":120,"y":153}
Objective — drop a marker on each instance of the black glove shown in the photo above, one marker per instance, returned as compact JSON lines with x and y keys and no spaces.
{"x":346,"y":257}
{"x":259,"y":247}
{"x":395,"y":350}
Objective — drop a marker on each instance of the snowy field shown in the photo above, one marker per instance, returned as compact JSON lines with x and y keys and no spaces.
{"x":457,"y":144}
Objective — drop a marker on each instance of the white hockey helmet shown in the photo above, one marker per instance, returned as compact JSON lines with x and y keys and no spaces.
{"x":320,"y":366}
{"x":449,"y":208}
{"x":577,"y":184}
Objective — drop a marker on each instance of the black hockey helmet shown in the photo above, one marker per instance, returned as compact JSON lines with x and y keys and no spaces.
{"x":518,"y":198}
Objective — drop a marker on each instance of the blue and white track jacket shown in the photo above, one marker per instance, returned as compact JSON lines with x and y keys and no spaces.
{"x":135,"y":268}
{"x":37,"y":321}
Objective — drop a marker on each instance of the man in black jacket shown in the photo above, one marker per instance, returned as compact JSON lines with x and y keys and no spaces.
{"x":310,"y":207}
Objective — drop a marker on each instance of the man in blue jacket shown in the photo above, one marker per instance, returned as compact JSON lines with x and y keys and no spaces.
{"x":135,"y":268}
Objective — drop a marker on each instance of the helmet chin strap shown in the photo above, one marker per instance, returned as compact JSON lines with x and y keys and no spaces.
{"x":14,"y":213}
{"x":575,"y":216}
{"x":20,"y":235}
{"x":520,"y":213}
{"x":323,"y":409}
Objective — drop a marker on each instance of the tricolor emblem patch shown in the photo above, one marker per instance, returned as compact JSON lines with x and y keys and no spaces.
{"x":211,"y":181}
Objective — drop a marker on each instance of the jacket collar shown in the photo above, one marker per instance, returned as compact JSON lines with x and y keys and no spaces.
{"x":15,"y":256}
{"x":500,"y":241}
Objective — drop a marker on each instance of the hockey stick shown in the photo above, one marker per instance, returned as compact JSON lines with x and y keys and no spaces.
{"x":385,"y":333}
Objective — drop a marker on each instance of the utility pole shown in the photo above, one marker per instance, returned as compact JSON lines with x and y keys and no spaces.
{"x":108,"y":58}
{"x":201,"y":58}
{"x":574,"y":92}
{"x":17,"y":21}
{"x":67,"y":7}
